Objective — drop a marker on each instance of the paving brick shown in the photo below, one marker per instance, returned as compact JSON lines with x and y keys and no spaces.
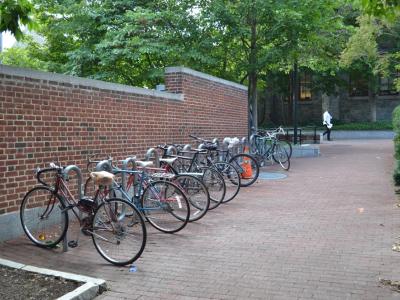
{"x":314,"y":235}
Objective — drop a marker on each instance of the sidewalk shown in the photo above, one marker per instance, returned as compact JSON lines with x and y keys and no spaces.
{"x":324,"y":232}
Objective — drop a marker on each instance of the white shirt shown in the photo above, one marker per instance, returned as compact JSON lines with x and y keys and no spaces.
{"x":326,"y":119}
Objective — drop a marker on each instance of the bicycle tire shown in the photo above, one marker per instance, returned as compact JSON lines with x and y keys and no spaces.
{"x":280,"y":156}
{"x":246,"y":179}
{"x":49,"y":219}
{"x":288,"y":147}
{"x":215,"y":184}
{"x":165,"y":206}
{"x":196,"y":193}
{"x":231,"y":178}
{"x":110,"y":227}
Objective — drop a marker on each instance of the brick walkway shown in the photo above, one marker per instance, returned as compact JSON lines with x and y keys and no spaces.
{"x":325,"y":232}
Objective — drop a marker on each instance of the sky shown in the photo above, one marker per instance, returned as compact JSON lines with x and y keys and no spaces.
{"x":8,"y":40}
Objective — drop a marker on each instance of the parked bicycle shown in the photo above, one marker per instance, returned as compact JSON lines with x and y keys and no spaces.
{"x":188,"y":165}
{"x":267,"y":148}
{"x":162,"y":203}
{"x":117,"y":229}
{"x":244,"y":163}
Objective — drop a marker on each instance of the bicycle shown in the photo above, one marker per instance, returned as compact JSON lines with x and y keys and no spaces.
{"x":266,"y":147}
{"x":246,"y":165}
{"x":275,"y":133}
{"x":183,"y":165}
{"x":231,"y":176}
{"x":117,"y":229}
{"x":161,"y":202}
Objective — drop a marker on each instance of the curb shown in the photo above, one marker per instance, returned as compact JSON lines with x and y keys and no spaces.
{"x":87,"y":291}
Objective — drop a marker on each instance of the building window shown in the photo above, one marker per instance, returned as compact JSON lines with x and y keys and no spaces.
{"x":387,"y":85}
{"x":305,"y":86}
{"x":358,"y":86}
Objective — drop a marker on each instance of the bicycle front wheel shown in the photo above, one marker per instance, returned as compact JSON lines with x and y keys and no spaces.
{"x":281,"y":156}
{"x":247,"y":167}
{"x":196,"y":193}
{"x":231,"y":178}
{"x":119,"y":232}
{"x":165,"y":206}
{"x":215,"y":184}
{"x":287,"y":146}
{"x":43,"y":217}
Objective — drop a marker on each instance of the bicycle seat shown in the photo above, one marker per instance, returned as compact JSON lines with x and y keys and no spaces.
{"x":210,"y":146}
{"x":144,"y":164}
{"x":102,"y":177}
{"x":168,"y":161}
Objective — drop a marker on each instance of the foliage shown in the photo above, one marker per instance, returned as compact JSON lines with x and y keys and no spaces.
{"x":24,"y":56}
{"x":379,"y":125}
{"x":13,"y":14}
{"x":388,"y":9}
{"x":396,"y":127}
{"x":362,"y":45}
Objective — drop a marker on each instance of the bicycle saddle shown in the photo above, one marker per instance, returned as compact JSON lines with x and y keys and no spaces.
{"x":144,"y":164}
{"x":210,"y":146}
{"x":168,"y":161}
{"x":102,"y":177}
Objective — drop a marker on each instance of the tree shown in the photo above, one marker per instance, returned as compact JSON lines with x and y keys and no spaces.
{"x":388,"y":9}
{"x":13,"y":14}
{"x":24,"y":56}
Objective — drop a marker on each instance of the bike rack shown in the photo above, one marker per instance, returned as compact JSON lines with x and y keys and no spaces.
{"x":243,"y":143}
{"x":171,"y":150}
{"x":78,"y":172}
{"x":104,"y":165}
{"x":153,"y":154}
{"x":187,"y":147}
{"x":125,"y":164}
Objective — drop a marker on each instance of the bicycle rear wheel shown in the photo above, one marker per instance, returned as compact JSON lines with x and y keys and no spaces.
{"x":231,"y":178}
{"x":165,"y":206}
{"x":247,"y":167}
{"x":118,"y":232}
{"x":215,"y":184}
{"x":43,"y":217}
{"x":196,"y":193}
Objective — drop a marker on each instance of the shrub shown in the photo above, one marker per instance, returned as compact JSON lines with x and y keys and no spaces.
{"x":396,"y":127}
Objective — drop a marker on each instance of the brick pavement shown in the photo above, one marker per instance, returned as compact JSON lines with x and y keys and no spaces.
{"x":325,"y":232}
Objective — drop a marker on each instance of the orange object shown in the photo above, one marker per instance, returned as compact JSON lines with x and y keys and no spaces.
{"x":246,"y":149}
{"x":247,"y":171}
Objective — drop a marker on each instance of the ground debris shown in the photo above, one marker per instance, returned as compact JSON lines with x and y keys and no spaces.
{"x":394,"y":285}
{"x":396,"y":247}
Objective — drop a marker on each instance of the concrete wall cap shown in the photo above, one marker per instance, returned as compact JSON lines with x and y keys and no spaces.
{"x":73,"y":80}
{"x":185,"y":70}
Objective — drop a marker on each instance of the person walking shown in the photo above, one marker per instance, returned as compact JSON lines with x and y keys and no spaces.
{"x":326,"y":121}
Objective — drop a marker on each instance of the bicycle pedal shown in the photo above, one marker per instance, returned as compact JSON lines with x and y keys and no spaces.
{"x":72,"y":244}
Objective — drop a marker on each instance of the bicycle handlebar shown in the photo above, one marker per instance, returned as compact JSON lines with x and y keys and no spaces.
{"x":53,"y":168}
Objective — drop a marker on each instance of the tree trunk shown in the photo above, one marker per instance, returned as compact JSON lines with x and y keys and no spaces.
{"x":372,"y":98}
{"x":295,"y":97}
{"x":252,"y":90}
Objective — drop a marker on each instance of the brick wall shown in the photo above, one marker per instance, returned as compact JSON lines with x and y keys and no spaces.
{"x":45,"y":117}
